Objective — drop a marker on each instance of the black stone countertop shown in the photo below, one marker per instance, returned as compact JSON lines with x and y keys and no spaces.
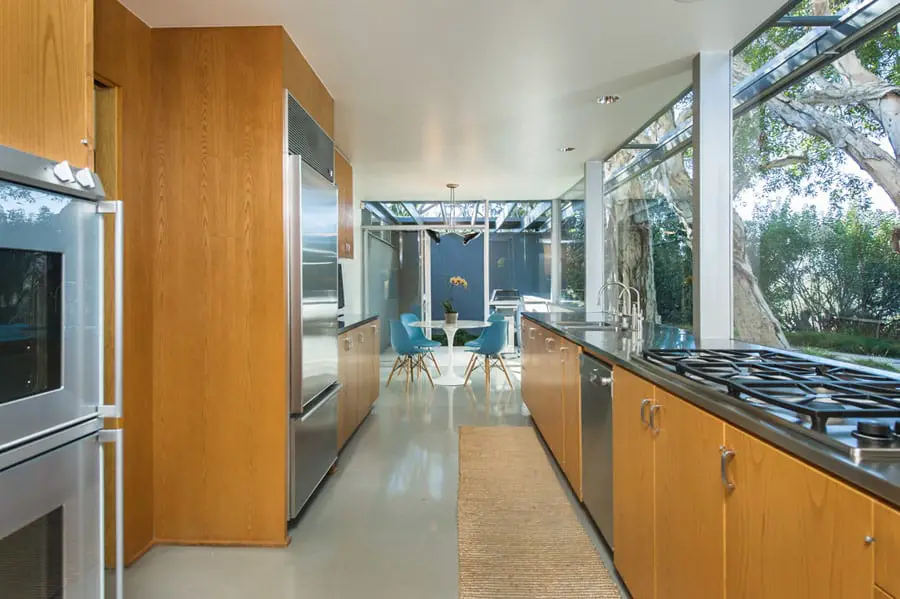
{"x":880,"y":478}
{"x":353,"y":320}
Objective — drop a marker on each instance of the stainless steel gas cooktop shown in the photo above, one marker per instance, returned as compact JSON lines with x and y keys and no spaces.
{"x":850,"y":409}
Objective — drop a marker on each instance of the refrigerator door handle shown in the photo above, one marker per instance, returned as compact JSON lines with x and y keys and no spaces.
{"x":116,"y":208}
{"x":114,"y":436}
{"x":332,"y":393}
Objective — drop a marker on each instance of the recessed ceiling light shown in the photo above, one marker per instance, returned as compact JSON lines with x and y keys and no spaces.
{"x":567,"y":149}
{"x":608,"y":99}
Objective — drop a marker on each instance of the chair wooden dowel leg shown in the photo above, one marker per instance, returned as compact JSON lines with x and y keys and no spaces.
{"x":469,"y":370}
{"x":393,"y":370}
{"x":505,"y":371}
{"x":487,"y":372}
{"x":426,"y":371}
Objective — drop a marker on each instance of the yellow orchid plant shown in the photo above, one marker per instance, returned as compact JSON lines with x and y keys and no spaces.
{"x":448,"y":303}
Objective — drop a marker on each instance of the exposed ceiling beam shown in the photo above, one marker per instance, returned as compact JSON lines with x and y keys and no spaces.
{"x":379,"y":209}
{"x":539,"y":210}
{"x":507,"y":208}
{"x":413,"y":212}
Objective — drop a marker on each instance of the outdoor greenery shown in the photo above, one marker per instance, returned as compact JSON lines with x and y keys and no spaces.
{"x":817,"y":192}
{"x":572,"y":260}
{"x":816,"y":165}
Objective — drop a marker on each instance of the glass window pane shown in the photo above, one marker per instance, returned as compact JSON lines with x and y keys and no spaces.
{"x":572,"y":268}
{"x":648,"y":232}
{"x":520,"y":251}
{"x":816,"y":198}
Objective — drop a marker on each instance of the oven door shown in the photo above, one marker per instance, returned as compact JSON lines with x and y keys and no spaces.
{"x":51,"y":517}
{"x":51,"y":311}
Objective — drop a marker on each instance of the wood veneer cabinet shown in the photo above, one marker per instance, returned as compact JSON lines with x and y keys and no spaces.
{"x":634,"y":484}
{"x":759,"y":523}
{"x":358,"y":371}
{"x":47,"y":86}
{"x":220,"y":368}
{"x":551,"y":389}
{"x":343,"y":177}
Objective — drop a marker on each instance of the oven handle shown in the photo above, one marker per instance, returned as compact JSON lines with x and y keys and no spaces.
{"x":114,"y":436}
{"x":116,"y":208}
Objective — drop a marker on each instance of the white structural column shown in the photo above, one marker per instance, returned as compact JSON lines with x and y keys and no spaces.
{"x":712,"y":226}
{"x":555,"y":252}
{"x":595,"y":259}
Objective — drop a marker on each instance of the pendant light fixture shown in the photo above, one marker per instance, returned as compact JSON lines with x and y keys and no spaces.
{"x":452,"y":187}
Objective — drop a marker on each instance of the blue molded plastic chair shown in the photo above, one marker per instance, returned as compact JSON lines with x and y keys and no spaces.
{"x":492,"y":343}
{"x":417,"y":335}
{"x":495,"y":317}
{"x":410,"y":357}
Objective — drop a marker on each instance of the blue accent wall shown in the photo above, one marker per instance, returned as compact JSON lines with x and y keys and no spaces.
{"x":450,"y":258}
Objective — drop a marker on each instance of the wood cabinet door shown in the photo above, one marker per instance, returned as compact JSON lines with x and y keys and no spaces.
{"x":551,"y":397}
{"x":633,"y":485}
{"x":690,"y":500}
{"x":374,"y":363}
{"x":571,"y":392}
{"x":347,"y":396}
{"x":887,"y":549}
{"x":527,"y":377}
{"x":47,"y":82}
{"x":792,"y":532}
{"x":343,"y":178}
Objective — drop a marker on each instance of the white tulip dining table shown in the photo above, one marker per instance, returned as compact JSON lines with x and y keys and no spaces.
{"x":448,"y":377}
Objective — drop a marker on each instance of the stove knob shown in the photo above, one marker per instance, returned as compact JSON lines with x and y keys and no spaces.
{"x":874,"y":429}
{"x":63,"y":172}
{"x":85,"y":178}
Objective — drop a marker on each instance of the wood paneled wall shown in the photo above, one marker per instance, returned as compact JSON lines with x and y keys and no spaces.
{"x":122,"y":59}
{"x":47,"y":78}
{"x":306,"y":87}
{"x":219,"y":298}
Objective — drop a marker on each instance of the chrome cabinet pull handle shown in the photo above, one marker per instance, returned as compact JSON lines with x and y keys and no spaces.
{"x":653,"y":410}
{"x":562,"y":358}
{"x":644,"y":404}
{"x":361,"y":338}
{"x":869,"y":539}
{"x":726,"y":456}
{"x":606,"y":381}
{"x":531,"y":333}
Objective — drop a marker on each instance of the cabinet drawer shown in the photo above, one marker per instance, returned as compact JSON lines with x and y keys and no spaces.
{"x":887,"y":549}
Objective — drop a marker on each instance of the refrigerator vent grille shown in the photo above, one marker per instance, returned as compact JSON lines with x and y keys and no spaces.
{"x":307,"y":140}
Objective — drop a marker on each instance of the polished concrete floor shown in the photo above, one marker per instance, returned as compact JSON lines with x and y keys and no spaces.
{"x":383,"y":525}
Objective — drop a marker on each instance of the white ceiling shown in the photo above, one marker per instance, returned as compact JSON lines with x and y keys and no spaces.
{"x":484,"y":92}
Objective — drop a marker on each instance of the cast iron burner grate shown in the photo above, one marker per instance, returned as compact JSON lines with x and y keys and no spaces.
{"x":790,"y":382}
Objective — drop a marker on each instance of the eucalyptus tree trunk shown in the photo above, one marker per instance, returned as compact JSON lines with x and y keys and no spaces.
{"x":753,"y":317}
{"x":629,"y":228}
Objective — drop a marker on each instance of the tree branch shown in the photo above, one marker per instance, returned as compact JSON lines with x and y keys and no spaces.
{"x":785,"y":161}
{"x":841,"y":95}
{"x":877,"y":162}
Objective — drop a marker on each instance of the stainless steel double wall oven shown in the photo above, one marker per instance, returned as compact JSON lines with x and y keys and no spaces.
{"x":52,"y":258}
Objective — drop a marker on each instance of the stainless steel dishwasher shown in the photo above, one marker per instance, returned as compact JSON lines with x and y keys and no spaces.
{"x":597,"y":444}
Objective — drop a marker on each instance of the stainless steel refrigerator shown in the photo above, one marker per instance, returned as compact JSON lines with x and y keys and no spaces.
{"x":311,"y":215}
